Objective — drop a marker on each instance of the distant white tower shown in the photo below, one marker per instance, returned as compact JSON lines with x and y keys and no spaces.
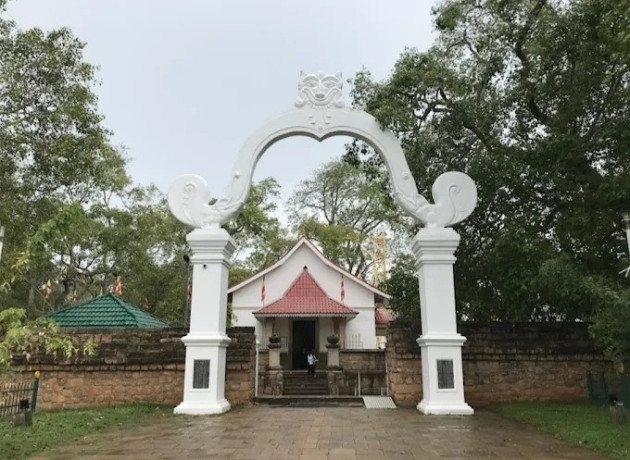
{"x":379,"y":259}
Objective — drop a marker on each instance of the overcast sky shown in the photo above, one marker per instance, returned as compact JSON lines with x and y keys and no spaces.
{"x":183,"y":83}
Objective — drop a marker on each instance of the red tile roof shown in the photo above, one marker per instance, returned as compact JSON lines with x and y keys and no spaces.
{"x":305,"y":298}
{"x":383,"y":316}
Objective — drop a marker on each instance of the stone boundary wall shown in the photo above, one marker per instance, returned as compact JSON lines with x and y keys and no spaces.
{"x":135,"y":365}
{"x":504,"y":362}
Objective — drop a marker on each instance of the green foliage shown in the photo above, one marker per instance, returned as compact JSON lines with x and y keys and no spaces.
{"x":611,"y":332}
{"x":530,"y":99}
{"x":582,"y":424}
{"x":259,"y":235}
{"x":19,"y":337}
{"x":341,"y":207}
{"x":58,"y":428}
{"x":70,"y":213}
{"x":257,"y":232}
{"x":402,"y":286}
{"x":56,"y":156}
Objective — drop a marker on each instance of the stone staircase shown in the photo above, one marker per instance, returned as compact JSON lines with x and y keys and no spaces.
{"x":299,"y":383}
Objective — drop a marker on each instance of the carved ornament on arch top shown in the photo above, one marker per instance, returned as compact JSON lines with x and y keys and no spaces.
{"x":320,"y":113}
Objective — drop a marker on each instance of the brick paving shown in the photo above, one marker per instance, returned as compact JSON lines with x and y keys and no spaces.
{"x":323,"y":433}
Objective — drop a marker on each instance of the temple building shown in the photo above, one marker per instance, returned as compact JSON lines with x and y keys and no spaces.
{"x":304,"y":298}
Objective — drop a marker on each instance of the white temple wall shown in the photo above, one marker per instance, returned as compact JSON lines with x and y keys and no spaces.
{"x":278,"y":281}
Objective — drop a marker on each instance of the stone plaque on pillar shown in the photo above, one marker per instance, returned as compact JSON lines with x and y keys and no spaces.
{"x":201,"y":373}
{"x":445,"y":374}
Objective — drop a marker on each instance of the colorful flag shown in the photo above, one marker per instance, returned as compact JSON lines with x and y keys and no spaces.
{"x":146,"y":304}
{"x":74,"y":295}
{"x":118,"y":286}
{"x":188,"y":291}
{"x":47,"y":289}
{"x":343,"y":289}
{"x":263,"y":291}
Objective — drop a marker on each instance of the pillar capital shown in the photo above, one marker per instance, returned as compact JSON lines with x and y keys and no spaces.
{"x":435,"y":245}
{"x":211,"y":245}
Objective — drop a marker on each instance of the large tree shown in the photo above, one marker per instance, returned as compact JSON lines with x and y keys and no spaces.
{"x":530,"y":98}
{"x":54,"y":150}
{"x":70,"y":211}
{"x":342,"y":207}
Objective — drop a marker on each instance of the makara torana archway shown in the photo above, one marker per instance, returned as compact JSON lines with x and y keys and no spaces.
{"x":320,"y":113}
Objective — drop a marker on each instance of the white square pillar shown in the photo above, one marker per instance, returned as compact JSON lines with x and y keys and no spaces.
{"x":442,"y":374}
{"x":206,"y":342}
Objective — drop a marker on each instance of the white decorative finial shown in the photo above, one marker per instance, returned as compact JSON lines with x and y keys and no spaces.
{"x":455,"y":196}
{"x":320,"y":91}
{"x":189,"y":199}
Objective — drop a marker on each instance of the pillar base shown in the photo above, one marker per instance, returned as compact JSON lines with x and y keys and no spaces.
{"x":203,"y":408}
{"x":433,"y":408}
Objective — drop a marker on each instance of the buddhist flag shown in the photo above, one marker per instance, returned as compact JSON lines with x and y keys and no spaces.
{"x":47,"y":289}
{"x":263,"y":291}
{"x":74,"y":295}
{"x":118,"y":286}
{"x":343,"y":289}
{"x":146,"y":304}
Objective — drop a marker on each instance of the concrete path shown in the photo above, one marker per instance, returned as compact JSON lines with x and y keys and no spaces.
{"x":266,"y":432}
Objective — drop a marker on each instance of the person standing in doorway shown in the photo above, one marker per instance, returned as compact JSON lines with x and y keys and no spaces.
{"x":312,"y":362}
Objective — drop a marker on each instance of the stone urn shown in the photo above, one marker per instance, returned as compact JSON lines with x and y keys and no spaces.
{"x":333,"y":341}
{"x":274,"y":341}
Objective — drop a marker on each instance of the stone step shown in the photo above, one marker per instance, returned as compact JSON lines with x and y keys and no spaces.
{"x":305,"y":390}
{"x":312,"y":400}
{"x":296,"y":383}
{"x":305,"y":393}
{"x":302,"y":375}
{"x":301,"y":385}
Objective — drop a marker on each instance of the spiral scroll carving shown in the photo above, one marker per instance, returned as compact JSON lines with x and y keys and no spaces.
{"x":189,"y":200}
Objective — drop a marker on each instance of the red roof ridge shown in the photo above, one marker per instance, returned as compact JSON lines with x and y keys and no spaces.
{"x":297,"y":300}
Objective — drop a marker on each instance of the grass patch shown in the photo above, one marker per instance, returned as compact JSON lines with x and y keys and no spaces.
{"x":53,"y":428}
{"x":580,"y":423}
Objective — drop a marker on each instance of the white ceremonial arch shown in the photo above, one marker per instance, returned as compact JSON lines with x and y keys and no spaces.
{"x":320,"y":113}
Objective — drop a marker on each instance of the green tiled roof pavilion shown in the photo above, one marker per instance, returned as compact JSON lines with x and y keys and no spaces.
{"x":106,"y":311}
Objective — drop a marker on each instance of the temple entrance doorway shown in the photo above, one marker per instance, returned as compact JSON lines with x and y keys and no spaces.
{"x":303,"y":342}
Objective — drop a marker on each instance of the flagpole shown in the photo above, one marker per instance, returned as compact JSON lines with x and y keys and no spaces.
{"x":188,"y":297}
{"x":1,"y":240}
{"x":343,"y":291}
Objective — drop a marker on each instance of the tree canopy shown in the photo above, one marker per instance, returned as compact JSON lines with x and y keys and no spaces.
{"x":341,"y":207}
{"x":71,"y":212}
{"x":530,"y":98}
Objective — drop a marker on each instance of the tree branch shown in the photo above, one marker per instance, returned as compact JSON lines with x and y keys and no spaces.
{"x":535,"y":110}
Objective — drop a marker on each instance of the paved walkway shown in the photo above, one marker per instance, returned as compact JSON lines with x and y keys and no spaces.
{"x":343,"y":433}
